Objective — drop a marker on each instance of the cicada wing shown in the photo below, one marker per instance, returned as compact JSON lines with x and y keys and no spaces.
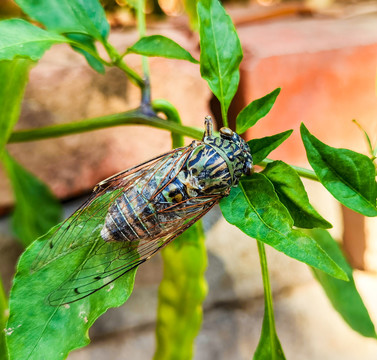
{"x":80,"y":228}
{"x":109,"y":261}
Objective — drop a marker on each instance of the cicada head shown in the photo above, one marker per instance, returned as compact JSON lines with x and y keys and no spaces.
{"x":232,"y":148}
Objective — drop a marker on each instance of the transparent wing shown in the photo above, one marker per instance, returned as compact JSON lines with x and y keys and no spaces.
{"x":109,"y":261}
{"x":81,"y":228}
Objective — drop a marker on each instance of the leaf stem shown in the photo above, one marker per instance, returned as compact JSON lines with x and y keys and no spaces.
{"x":172,"y":114}
{"x":132,"y":117}
{"x":224,"y":115}
{"x":141,"y":26}
{"x":305,"y":173}
{"x":267,"y":293}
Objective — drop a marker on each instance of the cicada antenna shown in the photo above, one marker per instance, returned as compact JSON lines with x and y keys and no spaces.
{"x":208,"y":127}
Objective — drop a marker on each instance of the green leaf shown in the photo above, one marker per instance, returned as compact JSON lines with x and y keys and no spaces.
{"x":3,"y":320}
{"x":13,"y":78}
{"x":344,"y":296}
{"x":255,"y":111}
{"x":347,"y":175}
{"x":181,"y":294}
{"x":158,"y":45}
{"x":69,"y":16}
{"x":269,"y":344}
{"x":190,"y":9}
{"x":51,"y":332}
{"x":36,"y":209}
{"x":256,"y":210}
{"x":260,"y":148}
{"x":89,"y":43}
{"x":22,"y":39}
{"x":220,"y":52}
{"x":292,"y":194}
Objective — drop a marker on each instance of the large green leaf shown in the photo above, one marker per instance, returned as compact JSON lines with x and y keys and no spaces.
{"x":255,"y":111}
{"x":36,"y":329}
{"x":36,"y":209}
{"x":292,"y":194}
{"x":3,"y":320}
{"x":343,"y":295}
{"x":260,"y":148}
{"x":220,"y":52}
{"x":347,"y":175}
{"x":269,"y":344}
{"x":158,"y":45}
{"x":181,"y":294}
{"x":13,"y":78}
{"x":69,"y":16}
{"x":256,"y":210}
{"x":22,"y":39}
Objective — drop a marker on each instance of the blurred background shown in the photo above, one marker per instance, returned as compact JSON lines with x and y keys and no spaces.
{"x":323,"y":54}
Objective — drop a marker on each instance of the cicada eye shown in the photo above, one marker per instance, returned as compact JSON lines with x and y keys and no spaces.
{"x":226,"y":132}
{"x":249,"y":168}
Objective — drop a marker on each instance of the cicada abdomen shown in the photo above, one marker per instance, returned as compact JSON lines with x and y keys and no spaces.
{"x":132,"y":215}
{"x":178,"y":187}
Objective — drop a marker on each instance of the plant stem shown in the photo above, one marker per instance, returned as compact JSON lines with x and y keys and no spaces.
{"x":132,"y":74}
{"x":224,"y":115}
{"x":146,"y":90}
{"x":172,"y":114}
{"x":133,"y":117}
{"x":305,"y":173}
{"x":142,"y":30}
{"x":267,"y":290}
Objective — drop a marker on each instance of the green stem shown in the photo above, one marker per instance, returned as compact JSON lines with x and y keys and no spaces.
{"x":172,"y":114}
{"x":141,"y":26}
{"x":224,"y":115}
{"x":132,"y":75}
{"x":133,"y":117}
{"x":305,"y":173}
{"x":267,"y":291}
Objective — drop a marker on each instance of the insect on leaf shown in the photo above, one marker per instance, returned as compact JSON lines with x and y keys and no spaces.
{"x":260,"y":148}
{"x":158,"y":45}
{"x":347,"y":175}
{"x":256,"y":210}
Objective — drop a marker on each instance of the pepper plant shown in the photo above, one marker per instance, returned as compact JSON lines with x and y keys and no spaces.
{"x":270,"y":206}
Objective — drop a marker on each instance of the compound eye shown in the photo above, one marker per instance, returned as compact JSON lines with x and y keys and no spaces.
{"x":249,"y":169}
{"x":226,"y":132}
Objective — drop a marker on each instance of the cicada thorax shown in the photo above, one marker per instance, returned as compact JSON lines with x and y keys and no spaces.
{"x":169,"y":194}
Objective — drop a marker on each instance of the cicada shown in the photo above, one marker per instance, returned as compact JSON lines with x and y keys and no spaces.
{"x":132,"y":215}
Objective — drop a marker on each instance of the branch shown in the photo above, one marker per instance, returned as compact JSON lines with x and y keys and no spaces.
{"x":132,"y":117}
